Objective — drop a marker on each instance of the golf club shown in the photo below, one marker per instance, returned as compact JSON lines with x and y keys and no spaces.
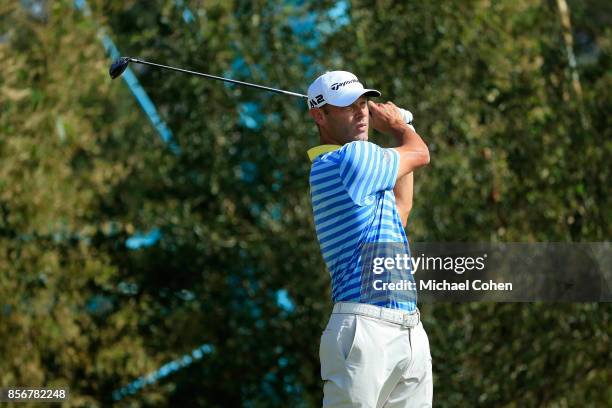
{"x":120,"y":65}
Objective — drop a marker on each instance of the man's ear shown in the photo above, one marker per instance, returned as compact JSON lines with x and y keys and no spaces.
{"x":318,"y":115}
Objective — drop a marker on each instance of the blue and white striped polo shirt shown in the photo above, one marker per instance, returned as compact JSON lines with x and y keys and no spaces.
{"x":351,"y":189}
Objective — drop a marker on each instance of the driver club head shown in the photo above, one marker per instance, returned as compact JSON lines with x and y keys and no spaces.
{"x":117,"y":68}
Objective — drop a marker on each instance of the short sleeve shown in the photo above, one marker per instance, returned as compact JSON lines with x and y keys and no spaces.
{"x":366,"y":169}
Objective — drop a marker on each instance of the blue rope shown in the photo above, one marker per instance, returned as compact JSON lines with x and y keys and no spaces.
{"x":132,"y":82}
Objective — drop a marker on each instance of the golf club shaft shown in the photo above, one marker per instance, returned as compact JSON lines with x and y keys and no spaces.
{"x":233,"y":81}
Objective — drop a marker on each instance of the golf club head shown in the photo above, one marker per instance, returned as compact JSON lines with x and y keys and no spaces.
{"x":117,"y":68}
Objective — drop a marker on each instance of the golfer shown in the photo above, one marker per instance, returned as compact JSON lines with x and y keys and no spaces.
{"x":374,"y":351}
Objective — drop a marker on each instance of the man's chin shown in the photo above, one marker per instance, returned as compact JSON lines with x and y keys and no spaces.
{"x":362,"y":137}
{"x":357,"y":137}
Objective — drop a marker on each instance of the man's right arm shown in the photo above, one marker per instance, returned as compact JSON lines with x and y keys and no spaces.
{"x":386,"y":118}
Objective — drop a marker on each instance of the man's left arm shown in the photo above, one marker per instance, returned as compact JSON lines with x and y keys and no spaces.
{"x":403,"y":191}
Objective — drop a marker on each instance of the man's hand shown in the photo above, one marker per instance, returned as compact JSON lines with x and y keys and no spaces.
{"x":387,"y":118}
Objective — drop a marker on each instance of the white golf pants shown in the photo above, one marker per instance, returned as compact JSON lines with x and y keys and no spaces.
{"x":375,"y":357}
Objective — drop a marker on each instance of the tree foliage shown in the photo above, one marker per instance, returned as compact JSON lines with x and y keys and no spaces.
{"x":517,"y":155}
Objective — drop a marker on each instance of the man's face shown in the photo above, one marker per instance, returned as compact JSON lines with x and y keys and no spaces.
{"x":346,"y":124}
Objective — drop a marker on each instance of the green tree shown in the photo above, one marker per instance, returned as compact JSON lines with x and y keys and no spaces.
{"x":490,"y":88}
{"x":82,"y":170}
{"x":66,"y":144}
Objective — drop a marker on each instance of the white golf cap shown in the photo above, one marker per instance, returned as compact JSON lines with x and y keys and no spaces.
{"x":338,"y":88}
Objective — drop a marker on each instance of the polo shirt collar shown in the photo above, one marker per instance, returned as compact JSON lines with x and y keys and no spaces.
{"x":321,"y":149}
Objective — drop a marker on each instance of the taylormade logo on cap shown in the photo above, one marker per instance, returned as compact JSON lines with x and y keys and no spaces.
{"x":338,"y":88}
{"x":335,"y":86}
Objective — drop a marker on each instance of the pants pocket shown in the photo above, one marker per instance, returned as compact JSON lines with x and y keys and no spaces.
{"x":347,"y":337}
{"x":339,"y":343}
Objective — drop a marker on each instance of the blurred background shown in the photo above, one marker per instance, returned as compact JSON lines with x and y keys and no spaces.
{"x":156,"y":236}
